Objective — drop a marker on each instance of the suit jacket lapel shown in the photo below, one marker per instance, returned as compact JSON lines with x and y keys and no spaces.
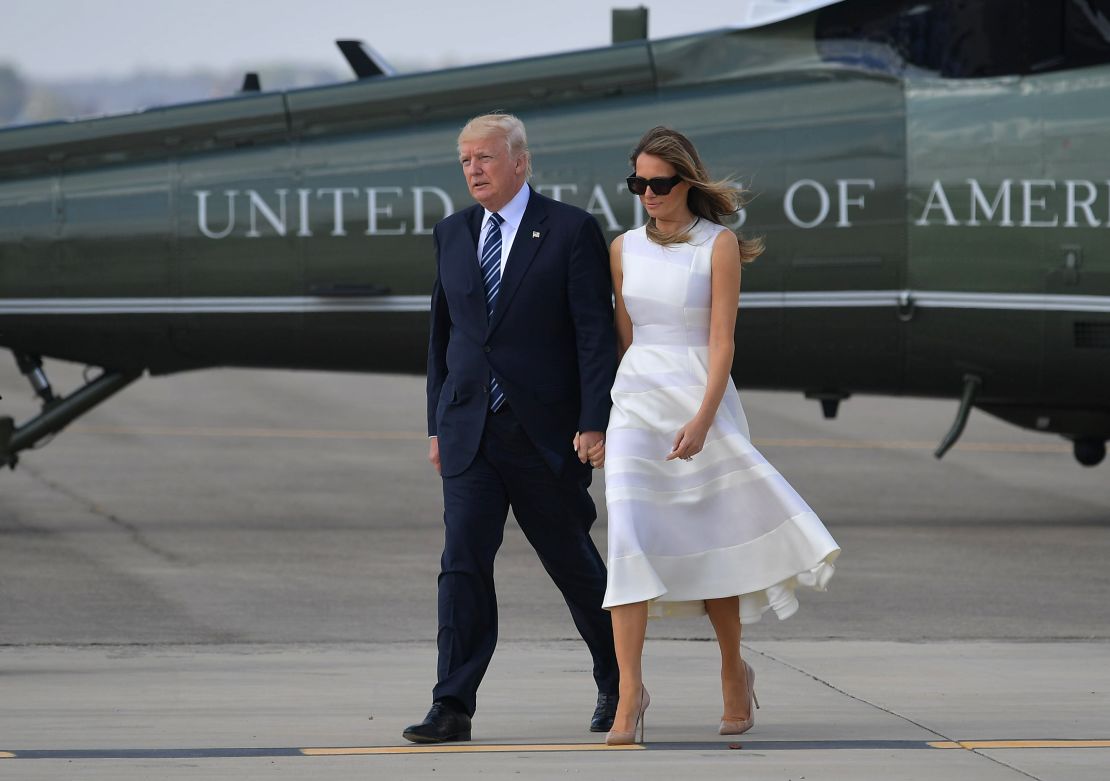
{"x":474,"y":223}
{"x":528,"y":238}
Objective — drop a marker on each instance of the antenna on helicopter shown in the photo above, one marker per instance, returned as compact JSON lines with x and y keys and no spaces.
{"x":630,"y":24}
{"x":365,"y":60}
{"x":251,"y":83}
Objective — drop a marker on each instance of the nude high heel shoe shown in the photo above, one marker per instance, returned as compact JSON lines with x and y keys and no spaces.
{"x":740,"y":726}
{"x":620,"y":738}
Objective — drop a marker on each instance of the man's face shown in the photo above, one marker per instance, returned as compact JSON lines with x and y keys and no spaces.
{"x":493,"y":175}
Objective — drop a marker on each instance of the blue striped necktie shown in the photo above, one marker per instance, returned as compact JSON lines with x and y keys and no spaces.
{"x":491,"y":277}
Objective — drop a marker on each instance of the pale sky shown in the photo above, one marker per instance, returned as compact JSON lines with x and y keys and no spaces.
{"x":52,"y":39}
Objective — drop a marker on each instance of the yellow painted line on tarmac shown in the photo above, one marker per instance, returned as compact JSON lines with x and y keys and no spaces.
{"x":292,"y":433}
{"x":973,"y":745}
{"x":749,"y":746}
{"x":440,"y":748}
{"x":1010,"y":447}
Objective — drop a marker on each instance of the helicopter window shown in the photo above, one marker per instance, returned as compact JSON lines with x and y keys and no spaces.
{"x":962,"y":39}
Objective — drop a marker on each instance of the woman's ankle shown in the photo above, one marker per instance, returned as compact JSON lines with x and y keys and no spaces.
{"x":630,"y":690}
{"x":732,"y":668}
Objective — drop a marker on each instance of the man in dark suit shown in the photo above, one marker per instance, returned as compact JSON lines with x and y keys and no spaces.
{"x":520,"y":363}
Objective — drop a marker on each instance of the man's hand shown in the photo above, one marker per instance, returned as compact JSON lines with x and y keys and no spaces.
{"x":589,"y":445}
{"x":433,"y":452}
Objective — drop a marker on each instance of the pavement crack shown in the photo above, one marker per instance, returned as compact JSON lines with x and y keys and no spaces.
{"x":1008,"y":766}
{"x":888,"y":711}
{"x":838,"y":690}
{"x":131,"y":530}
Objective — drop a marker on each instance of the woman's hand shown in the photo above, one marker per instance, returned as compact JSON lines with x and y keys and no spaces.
{"x":689,"y":440}
{"x":594,"y":454}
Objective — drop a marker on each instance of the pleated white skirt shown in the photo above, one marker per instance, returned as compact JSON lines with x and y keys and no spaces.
{"x":724,"y":524}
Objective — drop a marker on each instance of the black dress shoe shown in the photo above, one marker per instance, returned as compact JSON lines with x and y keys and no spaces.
{"x":442,"y":725}
{"x":604,"y":713}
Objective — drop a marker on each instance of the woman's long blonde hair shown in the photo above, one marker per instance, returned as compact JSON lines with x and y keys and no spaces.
{"x":708,"y":199}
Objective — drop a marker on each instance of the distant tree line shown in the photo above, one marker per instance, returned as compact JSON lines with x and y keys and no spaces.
{"x":13,"y":94}
{"x":25,"y":100}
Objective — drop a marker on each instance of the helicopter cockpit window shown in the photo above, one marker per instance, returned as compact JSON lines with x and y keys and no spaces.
{"x":964,"y":39}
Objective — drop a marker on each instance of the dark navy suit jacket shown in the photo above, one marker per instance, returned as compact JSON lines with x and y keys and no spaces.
{"x":550,"y":342}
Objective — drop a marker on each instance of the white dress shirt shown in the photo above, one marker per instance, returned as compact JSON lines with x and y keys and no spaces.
{"x":512,"y":213}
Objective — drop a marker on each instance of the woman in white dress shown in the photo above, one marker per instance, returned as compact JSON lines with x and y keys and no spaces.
{"x":699,"y":522}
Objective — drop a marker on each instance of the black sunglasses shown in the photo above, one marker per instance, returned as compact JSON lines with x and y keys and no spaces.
{"x":660,"y":185}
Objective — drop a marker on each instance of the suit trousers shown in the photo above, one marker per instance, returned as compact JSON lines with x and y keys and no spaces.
{"x":555,"y":513}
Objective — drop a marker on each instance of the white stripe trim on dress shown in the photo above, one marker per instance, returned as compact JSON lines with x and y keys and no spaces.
{"x":626,"y":493}
{"x":712,"y":453}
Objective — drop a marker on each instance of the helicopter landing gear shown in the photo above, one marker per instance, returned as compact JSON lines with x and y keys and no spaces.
{"x":1089,"y":452}
{"x":31,"y":367}
{"x":972,"y":384}
{"x":57,"y":412}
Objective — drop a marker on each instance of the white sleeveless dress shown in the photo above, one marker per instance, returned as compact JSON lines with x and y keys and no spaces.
{"x":725,"y":523}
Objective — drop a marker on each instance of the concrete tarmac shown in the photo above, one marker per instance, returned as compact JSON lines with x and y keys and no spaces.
{"x":213,"y":573}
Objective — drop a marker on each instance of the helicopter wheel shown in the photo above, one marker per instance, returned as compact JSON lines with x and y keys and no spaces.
{"x":1089,"y":452}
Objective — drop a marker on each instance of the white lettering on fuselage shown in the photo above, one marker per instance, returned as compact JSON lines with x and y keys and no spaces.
{"x":938,"y":200}
{"x":1039,"y":204}
{"x":806,"y":204}
{"x":202,"y":213}
{"x":822,"y":200}
{"x":420,"y":226}
{"x":277,"y":221}
{"x":990,"y":208}
{"x":374,"y":211}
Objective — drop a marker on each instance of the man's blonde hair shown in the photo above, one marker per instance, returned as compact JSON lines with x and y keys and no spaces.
{"x":499,"y":123}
